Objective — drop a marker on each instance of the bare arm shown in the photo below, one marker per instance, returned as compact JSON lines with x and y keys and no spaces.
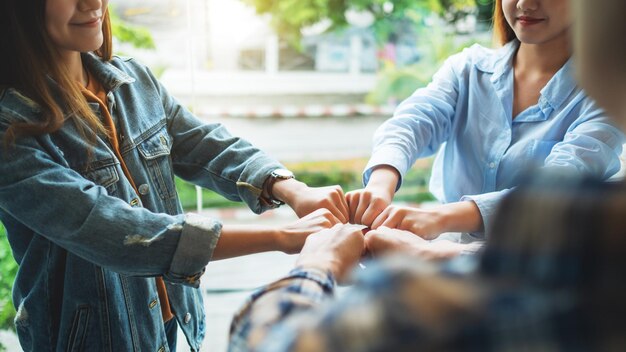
{"x":238,"y":240}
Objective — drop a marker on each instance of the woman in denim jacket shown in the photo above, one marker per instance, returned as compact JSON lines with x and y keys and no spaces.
{"x":91,"y":144}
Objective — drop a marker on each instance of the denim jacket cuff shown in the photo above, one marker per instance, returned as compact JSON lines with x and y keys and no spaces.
{"x":250,"y":183}
{"x":197,"y":242}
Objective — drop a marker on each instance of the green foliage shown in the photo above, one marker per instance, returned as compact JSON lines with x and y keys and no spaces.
{"x":414,"y":189}
{"x":8,"y":270}
{"x":138,"y":37}
{"x":289,"y":17}
{"x":396,"y":83}
{"x":346,"y":178}
{"x":187,"y":194}
{"x":415,"y":186}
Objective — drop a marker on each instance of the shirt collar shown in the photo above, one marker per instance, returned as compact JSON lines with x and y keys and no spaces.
{"x":499,"y":63}
{"x":108,"y":75}
{"x":559,"y":88}
{"x":552,"y":96}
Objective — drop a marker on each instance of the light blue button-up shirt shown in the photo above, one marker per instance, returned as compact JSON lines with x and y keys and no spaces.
{"x":465,"y":113}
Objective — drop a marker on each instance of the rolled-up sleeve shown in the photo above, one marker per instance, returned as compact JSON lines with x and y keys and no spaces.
{"x":487,"y":204}
{"x":198,"y":239}
{"x":591,"y":147}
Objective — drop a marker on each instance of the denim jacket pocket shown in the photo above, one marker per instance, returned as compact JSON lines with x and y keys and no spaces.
{"x":155,"y":151}
{"x":78,"y":331}
{"x":106,"y":177}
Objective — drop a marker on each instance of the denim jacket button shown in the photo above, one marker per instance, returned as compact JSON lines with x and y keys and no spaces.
{"x":152,"y":304}
{"x":134,"y":202}
{"x":144,"y":189}
{"x":187,"y":318}
{"x":162,"y":349}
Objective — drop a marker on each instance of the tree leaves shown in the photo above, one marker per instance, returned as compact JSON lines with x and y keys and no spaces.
{"x":289,"y":17}
{"x":8,"y":270}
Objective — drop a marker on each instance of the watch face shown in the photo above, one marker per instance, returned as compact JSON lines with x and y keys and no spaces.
{"x":283,"y":173}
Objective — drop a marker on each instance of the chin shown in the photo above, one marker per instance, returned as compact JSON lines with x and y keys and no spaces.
{"x":531,"y":40}
{"x":91,"y":47}
{"x":537,"y":38}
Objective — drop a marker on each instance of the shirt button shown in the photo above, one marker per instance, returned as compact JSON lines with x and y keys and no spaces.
{"x":144,"y":189}
{"x":492,"y":165}
{"x":187,"y":318}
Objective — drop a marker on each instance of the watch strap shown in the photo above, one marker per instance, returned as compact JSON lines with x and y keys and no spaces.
{"x":269,"y":185}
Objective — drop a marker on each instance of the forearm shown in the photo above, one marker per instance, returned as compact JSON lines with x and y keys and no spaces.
{"x":287,"y":190}
{"x":385,"y":178}
{"x":461,"y":216}
{"x":238,"y":240}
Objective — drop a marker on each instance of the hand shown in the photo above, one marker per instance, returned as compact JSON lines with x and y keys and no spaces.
{"x":304,"y":199}
{"x":426,"y":223}
{"x":337,"y":249}
{"x":385,"y":241}
{"x":366,"y":204}
{"x":429,"y":223}
{"x":292,"y":236}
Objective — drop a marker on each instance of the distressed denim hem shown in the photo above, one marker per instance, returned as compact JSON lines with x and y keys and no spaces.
{"x":197,"y":242}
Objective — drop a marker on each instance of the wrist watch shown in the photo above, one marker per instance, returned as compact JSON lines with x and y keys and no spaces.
{"x":277,"y":174}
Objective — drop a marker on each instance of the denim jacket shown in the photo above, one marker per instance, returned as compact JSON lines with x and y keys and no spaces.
{"x":88,"y":247}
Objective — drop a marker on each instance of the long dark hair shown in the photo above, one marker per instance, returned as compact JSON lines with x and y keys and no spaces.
{"x":29,"y":60}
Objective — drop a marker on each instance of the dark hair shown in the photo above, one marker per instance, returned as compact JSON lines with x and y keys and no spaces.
{"x":28,"y":61}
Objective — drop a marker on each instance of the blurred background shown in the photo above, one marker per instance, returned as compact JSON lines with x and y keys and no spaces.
{"x":308,"y":81}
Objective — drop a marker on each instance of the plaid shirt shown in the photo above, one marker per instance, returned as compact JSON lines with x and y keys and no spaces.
{"x":551,"y":278}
